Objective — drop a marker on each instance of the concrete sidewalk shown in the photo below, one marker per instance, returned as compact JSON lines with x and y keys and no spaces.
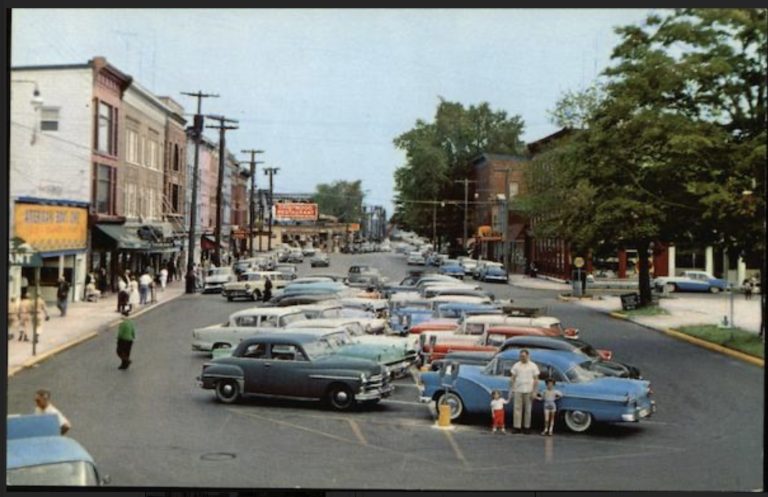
{"x":83,"y":321}
{"x":690,"y":309}
{"x":540,"y":283}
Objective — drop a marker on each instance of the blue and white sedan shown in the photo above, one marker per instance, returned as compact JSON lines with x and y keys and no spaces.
{"x":691,"y":281}
{"x":494,"y":273}
{"x":588,"y":396}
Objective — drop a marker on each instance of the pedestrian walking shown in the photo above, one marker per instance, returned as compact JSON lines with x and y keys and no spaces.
{"x":747,"y":286}
{"x":43,"y":405}
{"x":163,"y":278}
{"x":267,"y":289}
{"x":523,"y":383}
{"x":133,"y":295}
{"x":27,"y":313}
{"x":497,"y":411}
{"x":13,"y":317}
{"x":62,"y":296}
{"x":550,"y":397}
{"x":126,"y":334}
{"x":123,"y":292}
{"x":102,"y":280}
{"x":144,"y":281}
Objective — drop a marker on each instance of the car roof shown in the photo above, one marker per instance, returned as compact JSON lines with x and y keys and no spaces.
{"x":559,"y":358}
{"x":324,"y":322}
{"x":31,"y":425}
{"x":263,"y":311}
{"x":468,"y":305}
{"x":561,"y":342}
{"x":287,"y":338}
{"x":34,"y":451}
{"x":511,"y":320}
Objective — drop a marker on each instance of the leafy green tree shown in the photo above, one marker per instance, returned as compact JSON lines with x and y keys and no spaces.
{"x":342,"y":199}
{"x":672,"y":146}
{"x":439,"y":152}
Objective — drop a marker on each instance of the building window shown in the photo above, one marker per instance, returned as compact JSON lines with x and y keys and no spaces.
{"x":514,"y":189}
{"x":104,"y":189}
{"x":175,"y":157}
{"x":132,"y":144}
{"x":106,"y":129}
{"x":49,"y":119}
{"x":175,"y":200}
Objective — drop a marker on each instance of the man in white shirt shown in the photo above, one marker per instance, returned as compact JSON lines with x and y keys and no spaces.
{"x":44,"y":406}
{"x":523,"y":383}
{"x":144,"y":281}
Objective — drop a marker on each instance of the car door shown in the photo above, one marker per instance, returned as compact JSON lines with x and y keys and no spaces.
{"x":287,"y":366}
{"x":255,"y":364}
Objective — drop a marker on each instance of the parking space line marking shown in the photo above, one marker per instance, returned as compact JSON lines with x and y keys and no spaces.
{"x":404,"y":402}
{"x":456,"y":449}
{"x":299,"y":427}
{"x":357,"y":431}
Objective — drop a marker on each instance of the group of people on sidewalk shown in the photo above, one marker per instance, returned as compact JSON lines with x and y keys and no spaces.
{"x":133,"y":292}
{"x":523,"y":387}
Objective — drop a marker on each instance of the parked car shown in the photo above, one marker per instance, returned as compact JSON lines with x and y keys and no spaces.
{"x":588,"y":396}
{"x":295,"y":365}
{"x":241,"y":325}
{"x":216,"y":277}
{"x":602,"y":359}
{"x":295,"y":255}
{"x":476,"y":325}
{"x":416,"y":259}
{"x":250,"y":285}
{"x":331,"y":276}
{"x":493,"y":273}
{"x":465,"y":290}
{"x":309,"y":251}
{"x":355,"y":271}
{"x":37,"y":455}
{"x":456,"y":310}
{"x":691,"y":281}
{"x":481,"y":265}
{"x":289,"y":270}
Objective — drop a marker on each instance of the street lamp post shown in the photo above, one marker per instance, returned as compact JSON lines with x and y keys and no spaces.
{"x":271,"y":171}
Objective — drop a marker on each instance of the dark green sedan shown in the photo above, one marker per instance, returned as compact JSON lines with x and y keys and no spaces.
{"x":295,"y":365}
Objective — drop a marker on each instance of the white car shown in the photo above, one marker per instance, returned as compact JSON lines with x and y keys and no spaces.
{"x":416,"y":259}
{"x":216,"y":277}
{"x":250,"y":285}
{"x":241,"y":325}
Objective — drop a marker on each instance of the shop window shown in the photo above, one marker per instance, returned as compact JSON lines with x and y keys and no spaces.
{"x":175,"y":198}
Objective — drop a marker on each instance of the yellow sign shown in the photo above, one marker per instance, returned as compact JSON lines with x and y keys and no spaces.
{"x":49,"y":228}
{"x":578,"y":262}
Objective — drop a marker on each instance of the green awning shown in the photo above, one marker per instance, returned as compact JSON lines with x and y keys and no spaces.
{"x":127,"y":238}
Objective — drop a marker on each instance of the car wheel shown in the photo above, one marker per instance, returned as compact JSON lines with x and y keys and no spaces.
{"x":341,"y":397}
{"x":256,"y":295}
{"x":217,"y":346}
{"x":227,"y":391}
{"x":714,"y":289}
{"x":578,"y":421}
{"x":455,"y":403}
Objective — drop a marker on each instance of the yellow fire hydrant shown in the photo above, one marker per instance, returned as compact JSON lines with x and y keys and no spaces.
{"x":443,"y":415}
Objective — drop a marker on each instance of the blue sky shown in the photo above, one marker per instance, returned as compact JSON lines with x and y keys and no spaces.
{"x":324,"y":92}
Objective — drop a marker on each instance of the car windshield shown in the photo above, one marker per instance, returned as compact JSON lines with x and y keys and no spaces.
{"x":319,"y":348}
{"x":582,"y":373}
{"x":218,"y":271}
{"x":74,"y":473}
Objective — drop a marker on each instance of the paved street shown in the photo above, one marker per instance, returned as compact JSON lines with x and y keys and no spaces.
{"x":152,"y":426}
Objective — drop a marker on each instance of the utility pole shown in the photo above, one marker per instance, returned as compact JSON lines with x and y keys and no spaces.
{"x":466,"y":208}
{"x":505,"y":220}
{"x":251,"y":204}
{"x":222,"y":127}
{"x":198,"y":135}
{"x":270,"y":171}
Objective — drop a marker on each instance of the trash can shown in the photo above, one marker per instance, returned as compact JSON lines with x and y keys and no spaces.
{"x":629,"y":301}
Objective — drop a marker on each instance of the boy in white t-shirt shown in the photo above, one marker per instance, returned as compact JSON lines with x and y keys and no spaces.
{"x":497,"y":411}
{"x":549,"y":396}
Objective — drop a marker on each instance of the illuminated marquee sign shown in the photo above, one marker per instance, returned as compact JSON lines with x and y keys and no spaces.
{"x":296,"y":212}
{"x":49,"y":228}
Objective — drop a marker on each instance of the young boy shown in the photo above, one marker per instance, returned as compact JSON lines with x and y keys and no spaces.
{"x":497,"y":411}
{"x":549,"y":396}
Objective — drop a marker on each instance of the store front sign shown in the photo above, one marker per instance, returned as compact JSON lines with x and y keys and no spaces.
{"x":49,"y":228}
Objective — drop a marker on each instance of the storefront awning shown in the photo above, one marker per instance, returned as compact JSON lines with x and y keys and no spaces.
{"x":127,"y":238}
{"x":208,"y":242}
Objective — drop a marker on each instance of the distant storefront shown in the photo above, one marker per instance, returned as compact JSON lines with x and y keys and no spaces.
{"x":58,"y":231}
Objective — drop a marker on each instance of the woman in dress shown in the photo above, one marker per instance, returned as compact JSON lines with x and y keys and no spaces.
{"x":134,"y":298}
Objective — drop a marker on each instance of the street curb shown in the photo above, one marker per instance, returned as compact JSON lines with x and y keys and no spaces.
{"x":563,"y":298}
{"x":77,"y":341}
{"x":756,"y":361}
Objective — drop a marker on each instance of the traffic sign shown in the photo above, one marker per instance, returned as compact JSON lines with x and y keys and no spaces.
{"x":578,"y":262}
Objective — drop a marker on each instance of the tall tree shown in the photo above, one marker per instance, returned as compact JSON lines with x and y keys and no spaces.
{"x":342,"y":199}
{"x":439,"y":152}
{"x":675,"y":143}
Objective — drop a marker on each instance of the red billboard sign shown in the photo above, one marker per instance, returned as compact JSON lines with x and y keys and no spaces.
{"x":296,"y":212}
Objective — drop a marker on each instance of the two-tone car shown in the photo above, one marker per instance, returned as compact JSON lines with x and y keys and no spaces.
{"x":320,"y":259}
{"x":588,"y":396}
{"x":250,"y":285}
{"x":241,"y":325}
{"x":295,"y":366}
{"x":216,"y":277}
{"x":691,"y":281}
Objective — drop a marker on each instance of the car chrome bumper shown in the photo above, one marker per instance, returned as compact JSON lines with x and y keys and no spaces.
{"x":376,"y":394}
{"x":640,"y":413}
{"x":201,"y":346}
